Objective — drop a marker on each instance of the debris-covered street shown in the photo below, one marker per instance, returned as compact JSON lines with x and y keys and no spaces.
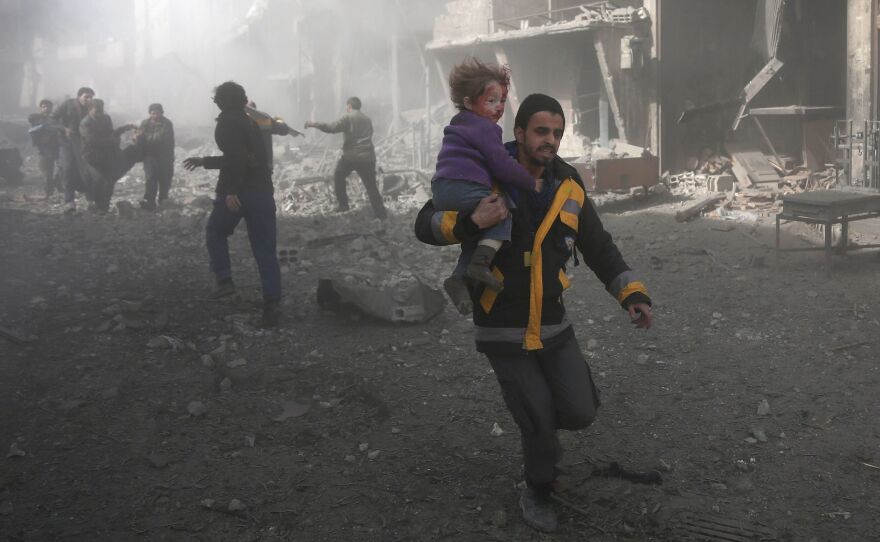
{"x":139,"y":409}
{"x":471,"y":270}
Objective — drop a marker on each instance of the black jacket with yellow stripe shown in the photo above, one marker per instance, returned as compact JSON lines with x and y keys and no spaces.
{"x":529,"y":313}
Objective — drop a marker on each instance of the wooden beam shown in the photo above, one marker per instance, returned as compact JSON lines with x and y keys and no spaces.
{"x":608,"y":79}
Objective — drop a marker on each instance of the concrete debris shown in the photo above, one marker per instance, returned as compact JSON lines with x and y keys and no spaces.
{"x":15,"y":451}
{"x":402,"y":297}
{"x":196,"y":409}
{"x":236,"y":505}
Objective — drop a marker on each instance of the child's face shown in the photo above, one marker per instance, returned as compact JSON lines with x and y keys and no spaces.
{"x":490,"y":104}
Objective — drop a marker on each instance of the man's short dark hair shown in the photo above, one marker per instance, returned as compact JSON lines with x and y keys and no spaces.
{"x":535,"y":103}
{"x":155,"y":107}
{"x":230,"y":95}
{"x":46,"y":101}
{"x":84,"y":90}
{"x":97,"y":105}
{"x":354,"y":102}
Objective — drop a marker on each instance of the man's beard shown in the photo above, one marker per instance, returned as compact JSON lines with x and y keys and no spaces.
{"x":534,"y":159}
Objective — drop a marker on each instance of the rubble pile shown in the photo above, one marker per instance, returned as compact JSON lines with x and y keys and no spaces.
{"x":606,"y":12}
{"x":713,"y":173}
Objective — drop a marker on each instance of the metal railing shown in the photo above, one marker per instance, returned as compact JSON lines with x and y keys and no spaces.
{"x":603,"y":10}
{"x":859,"y":143}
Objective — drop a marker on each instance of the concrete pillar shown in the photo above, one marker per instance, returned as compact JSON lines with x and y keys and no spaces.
{"x":859,"y":92}
{"x":652,"y":71}
{"x":394,"y":70}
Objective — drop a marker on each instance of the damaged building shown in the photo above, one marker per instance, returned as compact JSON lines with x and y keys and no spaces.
{"x":685,"y":79}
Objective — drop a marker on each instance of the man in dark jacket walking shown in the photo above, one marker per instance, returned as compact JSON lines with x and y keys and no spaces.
{"x":358,"y":154}
{"x":523,"y":330}
{"x":69,"y":115}
{"x":244,"y":190}
{"x":156,"y":134}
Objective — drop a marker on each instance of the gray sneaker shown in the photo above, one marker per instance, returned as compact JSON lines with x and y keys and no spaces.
{"x":538,"y":512}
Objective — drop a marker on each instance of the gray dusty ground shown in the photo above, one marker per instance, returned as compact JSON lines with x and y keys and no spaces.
{"x":755,"y":395}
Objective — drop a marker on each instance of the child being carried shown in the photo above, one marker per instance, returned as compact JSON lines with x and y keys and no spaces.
{"x":471,"y":160}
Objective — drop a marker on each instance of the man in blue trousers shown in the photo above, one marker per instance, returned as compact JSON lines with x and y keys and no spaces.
{"x":244,"y":190}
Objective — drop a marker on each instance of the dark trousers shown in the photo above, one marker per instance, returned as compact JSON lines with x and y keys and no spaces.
{"x":546,"y":390}
{"x":366,"y":169}
{"x":258,"y":212}
{"x":158,"y":175}
{"x":70,"y":171}
{"x":47,"y":168}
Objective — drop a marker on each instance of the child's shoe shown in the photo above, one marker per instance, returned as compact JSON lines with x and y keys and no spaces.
{"x":479,"y":271}
{"x":457,"y":290}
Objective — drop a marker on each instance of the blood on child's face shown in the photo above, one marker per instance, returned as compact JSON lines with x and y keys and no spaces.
{"x":490,"y":104}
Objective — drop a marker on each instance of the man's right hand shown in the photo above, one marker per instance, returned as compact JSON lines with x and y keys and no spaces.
{"x":192,"y":163}
{"x":490,"y":211}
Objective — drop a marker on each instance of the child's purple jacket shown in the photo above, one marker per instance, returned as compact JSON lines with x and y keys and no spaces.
{"x":472,"y":150}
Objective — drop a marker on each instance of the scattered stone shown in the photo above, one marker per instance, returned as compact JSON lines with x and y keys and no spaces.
{"x":15,"y":451}
{"x":250,"y":440}
{"x":158,"y":460}
{"x":291,"y":409}
{"x":395,"y":430}
{"x":363,"y":446}
{"x":751,"y":440}
{"x":166,"y":341}
{"x":207,"y":361}
{"x":759,"y":434}
{"x":112,"y":268}
{"x":592,"y":344}
{"x":207,"y":503}
{"x":237,"y":362}
{"x":236,"y":505}
{"x":372,"y":455}
{"x":499,"y":518}
{"x":496,"y":430}
{"x":349,"y":458}
{"x":763,"y":407}
{"x":196,"y":408}
{"x":642,"y":359}
{"x":663,"y":465}
{"x":225,"y":384}
{"x":811,"y":293}
{"x":719,"y":486}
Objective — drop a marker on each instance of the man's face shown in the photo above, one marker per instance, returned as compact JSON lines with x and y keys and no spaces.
{"x":155,"y":115}
{"x":46,"y":109}
{"x":85,"y":99}
{"x":539,"y":142}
